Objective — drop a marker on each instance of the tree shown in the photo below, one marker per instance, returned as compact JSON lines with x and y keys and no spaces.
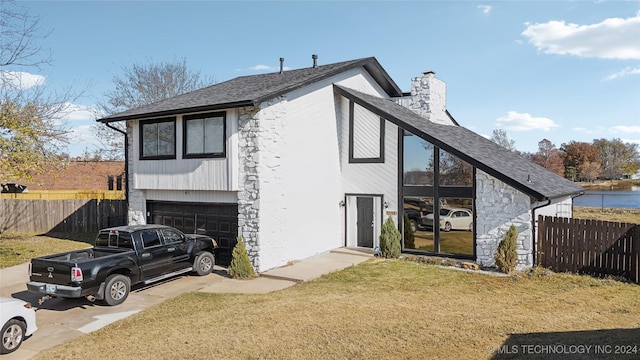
{"x":548,"y":157}
{"x":389,"y":239}
{"x":500,"y":137}
{"x":506,"y":255}
{"x":32,"y":135}
{"x":575,"y":155}
{"x":240,"y":267}
{"x":143,"y":84}
{"x":589,"y":171}
{"x":617,"y":158}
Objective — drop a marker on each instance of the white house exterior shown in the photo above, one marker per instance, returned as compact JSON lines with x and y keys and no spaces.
{"x":304,"y":161}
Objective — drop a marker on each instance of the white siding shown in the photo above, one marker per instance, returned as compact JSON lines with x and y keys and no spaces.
{"x":187,"y":174}
{"x":302,"y":172}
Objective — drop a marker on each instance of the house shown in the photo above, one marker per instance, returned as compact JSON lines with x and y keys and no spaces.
{"x":303,"y":161}
{"x":80,"y":175}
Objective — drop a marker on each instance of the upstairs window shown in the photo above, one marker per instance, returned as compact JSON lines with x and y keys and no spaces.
{"x":366,"y":135}
{"x":158,"y":139}
{"x":204,"y":135}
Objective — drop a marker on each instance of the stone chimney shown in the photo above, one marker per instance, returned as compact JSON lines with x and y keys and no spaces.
{"x":428,"y":98}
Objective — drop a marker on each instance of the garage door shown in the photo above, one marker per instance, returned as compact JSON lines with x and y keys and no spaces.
{"x":220,"y":221}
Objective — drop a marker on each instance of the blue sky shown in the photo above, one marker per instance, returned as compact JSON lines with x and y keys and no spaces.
{"x":560,"y":70}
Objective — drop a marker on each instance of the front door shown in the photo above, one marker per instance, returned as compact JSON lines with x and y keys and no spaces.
{"x":365,"y":221}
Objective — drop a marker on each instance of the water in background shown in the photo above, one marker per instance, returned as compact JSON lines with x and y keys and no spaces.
{"x":610,"y":199}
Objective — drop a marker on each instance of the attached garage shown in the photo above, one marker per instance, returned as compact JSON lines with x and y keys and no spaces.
{"x":218,"y":220}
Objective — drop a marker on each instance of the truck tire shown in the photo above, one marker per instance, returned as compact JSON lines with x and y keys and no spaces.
{"x":12,"y":335}
{"x":203,"y":265}
{"x":117,"y":289}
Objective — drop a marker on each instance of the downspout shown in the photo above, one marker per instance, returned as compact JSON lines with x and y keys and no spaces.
{"x":533,"y":229}
{"x":126,"y":161}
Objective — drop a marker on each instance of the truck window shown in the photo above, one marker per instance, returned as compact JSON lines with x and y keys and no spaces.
{"x":150,"y":238}
{"x":172,"y":237}
{"x":114,"y":239}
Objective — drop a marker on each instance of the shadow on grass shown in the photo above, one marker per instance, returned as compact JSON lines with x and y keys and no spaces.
{"x":591,"y":344}
{"x":85,"y":237}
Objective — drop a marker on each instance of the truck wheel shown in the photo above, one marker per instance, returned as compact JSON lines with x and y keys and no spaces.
{"x":12,"y":335}
{"x":117,"y":289}
{"x":204,"y":263}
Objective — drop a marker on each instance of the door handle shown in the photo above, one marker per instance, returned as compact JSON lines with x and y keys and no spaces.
{"x":146,"y":255}
{"x":171,"y":249}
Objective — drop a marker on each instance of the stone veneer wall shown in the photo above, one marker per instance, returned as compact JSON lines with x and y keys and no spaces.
{"x":137,"y":200}
{"x":248,"y":181}
{"x":498,"y":205}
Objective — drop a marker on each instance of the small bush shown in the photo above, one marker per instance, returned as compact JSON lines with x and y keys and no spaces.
{"x":507,"y":256}
{"x":390,"y":239}
{"x":409,"y":238}
{"x":240,"y":267}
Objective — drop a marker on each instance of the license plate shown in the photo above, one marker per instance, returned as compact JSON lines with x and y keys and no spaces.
{"x":50,"y":289}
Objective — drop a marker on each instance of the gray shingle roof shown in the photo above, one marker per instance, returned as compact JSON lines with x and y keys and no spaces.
{"x":253,"y":89}
{"x":480,"y":152}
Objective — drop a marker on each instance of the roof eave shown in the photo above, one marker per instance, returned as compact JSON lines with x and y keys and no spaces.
{"x":179,"y":111}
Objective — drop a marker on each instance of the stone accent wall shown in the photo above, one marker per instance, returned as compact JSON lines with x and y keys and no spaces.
{"x":260,"y":145}
{"x":136,"y":214}
{"x":249,"y":185}
{"x":498,"y":206}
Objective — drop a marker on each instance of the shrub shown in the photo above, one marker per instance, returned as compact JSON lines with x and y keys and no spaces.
{"x":409,"y":238}
{"x":507,"y":256}
{"x":390,"y":239}
{"x":240,"y":267}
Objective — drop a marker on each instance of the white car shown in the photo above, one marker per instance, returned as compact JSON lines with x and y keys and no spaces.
{"x":451,"y":219}
{"x":18,"y":321}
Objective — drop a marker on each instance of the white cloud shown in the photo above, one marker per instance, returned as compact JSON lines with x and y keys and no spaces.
{"x":516,"y":121}
{"x":631,"y":141}
{"x":20,"y":80}
{"x":613,"y":38}
{"x":75,"y":112}
{"x":263,"y":68}
{"x":624,"y":72}
{"x":83,"y":135}
{"x":486,"y":9}
{"x":626,"y":129}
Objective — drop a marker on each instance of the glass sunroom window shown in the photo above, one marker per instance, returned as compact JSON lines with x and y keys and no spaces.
{"x":418,"y":160}
{"x":453,"y":171}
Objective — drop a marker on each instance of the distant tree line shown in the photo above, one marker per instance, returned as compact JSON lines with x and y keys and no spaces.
{"x":582,"y":161}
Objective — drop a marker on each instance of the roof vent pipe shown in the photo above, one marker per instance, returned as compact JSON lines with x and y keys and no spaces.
{"x":281,"y":65}
{"x":315,"y":60}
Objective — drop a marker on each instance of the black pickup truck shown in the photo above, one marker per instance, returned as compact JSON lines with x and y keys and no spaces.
{"x":122,"y":256}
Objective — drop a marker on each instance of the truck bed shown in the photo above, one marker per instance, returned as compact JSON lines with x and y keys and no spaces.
{"x":80,"y":256}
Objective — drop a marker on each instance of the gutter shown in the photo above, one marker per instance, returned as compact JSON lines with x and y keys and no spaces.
{"x":126,"y":161}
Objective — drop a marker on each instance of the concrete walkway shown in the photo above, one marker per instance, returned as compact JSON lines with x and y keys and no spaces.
{"x":62,"y":320}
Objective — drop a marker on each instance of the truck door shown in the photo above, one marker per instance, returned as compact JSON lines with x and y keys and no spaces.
{"x":176,"y":244}
{"x":155,"y":258}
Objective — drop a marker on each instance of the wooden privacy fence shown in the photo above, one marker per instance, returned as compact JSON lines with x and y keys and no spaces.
{"x":42,"y":216}
{"x":592,"y":247}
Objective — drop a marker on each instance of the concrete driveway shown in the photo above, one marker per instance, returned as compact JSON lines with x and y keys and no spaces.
{"x":61,"y":320}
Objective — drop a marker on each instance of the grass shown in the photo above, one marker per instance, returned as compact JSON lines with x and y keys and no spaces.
{"x":19,"y":248}
{"x":377,"y":310}
{"x":607,"y":214}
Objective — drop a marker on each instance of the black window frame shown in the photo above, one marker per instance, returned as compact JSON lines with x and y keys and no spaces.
{"x":186,"y":118}
{"x":171,"y":119}
{"x":352,"y":158}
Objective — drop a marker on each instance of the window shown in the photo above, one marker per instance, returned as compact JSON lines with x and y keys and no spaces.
{"x":172,"y":237}
{"x":204,"y":135}
{"x":453,"y":171}
{"x":366,"y":135}
{"x":150,"y":238}
{"x":418,"y":160}
{"x":158,"y":139}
